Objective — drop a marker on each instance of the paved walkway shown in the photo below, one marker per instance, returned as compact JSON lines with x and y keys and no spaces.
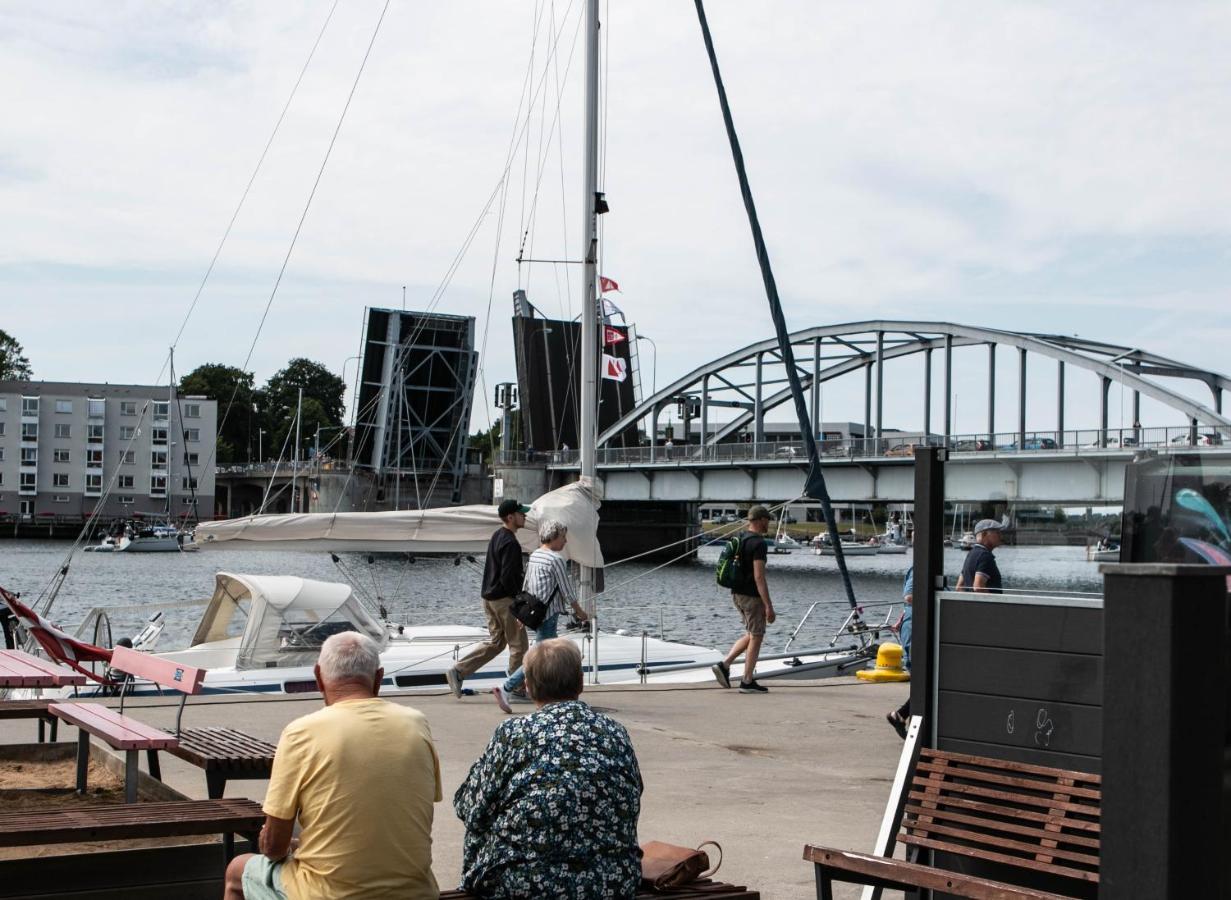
{"x":762,"y":775}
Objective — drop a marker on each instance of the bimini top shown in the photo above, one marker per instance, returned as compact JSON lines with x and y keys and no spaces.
{"x":284,"y":618}
{"x":454,"y":529}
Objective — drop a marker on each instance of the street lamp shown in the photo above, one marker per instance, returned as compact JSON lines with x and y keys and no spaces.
{"x":260,"y":446}
{"x":355,"y":391}
{"x":653,"y":362}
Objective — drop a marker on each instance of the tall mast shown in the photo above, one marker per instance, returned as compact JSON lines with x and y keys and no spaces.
{"x":589,"y":311}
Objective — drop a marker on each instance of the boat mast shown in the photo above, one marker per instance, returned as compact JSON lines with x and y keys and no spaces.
{"x":295,"y":468}
{"x":588,"y":435}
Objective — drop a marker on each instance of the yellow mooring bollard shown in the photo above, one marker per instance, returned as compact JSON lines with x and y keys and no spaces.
{"x":888,"y":665}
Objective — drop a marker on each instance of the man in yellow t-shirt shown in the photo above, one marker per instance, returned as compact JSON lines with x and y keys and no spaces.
{"x":361,"y":776}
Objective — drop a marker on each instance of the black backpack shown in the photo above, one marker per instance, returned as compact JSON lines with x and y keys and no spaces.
{"x":730,"y":571}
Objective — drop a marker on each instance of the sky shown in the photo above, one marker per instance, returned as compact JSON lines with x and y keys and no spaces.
{"x":1050,"y":167}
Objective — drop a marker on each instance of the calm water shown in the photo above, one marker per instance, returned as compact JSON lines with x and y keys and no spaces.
{"x":683,"y":597}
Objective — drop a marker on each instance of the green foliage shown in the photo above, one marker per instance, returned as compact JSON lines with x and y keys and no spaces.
{"x":237,"y":435}
{"x":13,"y":363}
{"x":322,"y":406}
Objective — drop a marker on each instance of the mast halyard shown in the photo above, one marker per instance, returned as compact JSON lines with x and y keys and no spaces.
{"x":588,"y":395}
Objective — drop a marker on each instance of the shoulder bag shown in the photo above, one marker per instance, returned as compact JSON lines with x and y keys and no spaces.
{"x":665,"y":867}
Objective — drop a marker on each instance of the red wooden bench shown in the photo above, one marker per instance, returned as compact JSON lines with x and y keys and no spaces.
{"x":22,"y":670}
{"x":223,"y":753}
{"x":1030,"y":821}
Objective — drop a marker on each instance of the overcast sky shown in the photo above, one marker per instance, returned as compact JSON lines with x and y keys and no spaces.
{"x":1046,"y":167}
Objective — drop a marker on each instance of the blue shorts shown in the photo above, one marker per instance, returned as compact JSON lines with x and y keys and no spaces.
{"x":263,"y":879}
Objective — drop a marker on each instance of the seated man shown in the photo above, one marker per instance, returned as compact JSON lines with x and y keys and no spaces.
{"x":361,"y":776}
{"x":551,"y":806}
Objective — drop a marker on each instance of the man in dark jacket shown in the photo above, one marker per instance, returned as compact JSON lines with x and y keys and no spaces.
{"x":502,"y":579}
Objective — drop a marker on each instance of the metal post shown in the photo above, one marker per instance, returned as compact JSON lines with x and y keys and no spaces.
{"x":589,"y":313}
{"x":654,"y":432}
{"x":705,"y":413}
{"x":1137,"y":409}
{"x":1164,"y":807}
{"x":816,"y":389}
{"x":929,"y":576}
{"x":758,"y":409}
{"x":867,"y":403}
{"x":1104,"y":390}
{"x":1060,"y":404}
{"x":295,"y":470}
{"x":927,"y":395}
{"x":880,"y":387}
{"x":1021,"y":397}
{"x":948,"y":388}
{"x":991,"y":392}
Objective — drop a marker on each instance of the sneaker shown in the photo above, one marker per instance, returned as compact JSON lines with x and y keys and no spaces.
{"x":455,"y":682}
{"x":501,"y":700}
{"x":519,"y":697}
{"x":898,"y":723}
{"x":752,"y":687}
{"x":723,"y":673}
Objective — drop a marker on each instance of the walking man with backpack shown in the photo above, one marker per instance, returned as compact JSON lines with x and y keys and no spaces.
{"x":741,"y":568}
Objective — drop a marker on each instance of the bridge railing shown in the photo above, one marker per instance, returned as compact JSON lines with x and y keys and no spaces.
{"x":1069,"y":442}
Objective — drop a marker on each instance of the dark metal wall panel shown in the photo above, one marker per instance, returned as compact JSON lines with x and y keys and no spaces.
{"x":1026,"y":724}
{"x":1028,"y":674}
{"x":1023,"y":626}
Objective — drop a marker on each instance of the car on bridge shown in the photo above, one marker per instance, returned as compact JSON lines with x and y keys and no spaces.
{"x":1208,"y":439}
{"x":1034,"y":443}
{"x":902,"y":449}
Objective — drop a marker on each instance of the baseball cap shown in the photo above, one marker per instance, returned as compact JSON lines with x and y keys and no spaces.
{"x":508,"y":507}
{"x":758,"y":512}
{"x":988,"y":525}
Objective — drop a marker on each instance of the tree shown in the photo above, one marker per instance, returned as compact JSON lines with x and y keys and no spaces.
{"x":13,"y":363}
{"x":322,"y":404}
{"x":237,"y":435}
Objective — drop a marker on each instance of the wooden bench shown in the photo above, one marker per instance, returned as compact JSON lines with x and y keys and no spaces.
{"x":32,"y":709}
{"x":22,"y":670}
{"x":706,"y":889}
{"x":1027,"y":821}
{"x":124,"y":822}
{"x":223,"y":753}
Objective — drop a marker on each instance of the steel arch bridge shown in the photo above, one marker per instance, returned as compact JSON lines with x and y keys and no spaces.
{"x":752,"y":379}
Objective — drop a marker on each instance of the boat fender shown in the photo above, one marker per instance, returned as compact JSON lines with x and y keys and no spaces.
{"x":888,"y":665}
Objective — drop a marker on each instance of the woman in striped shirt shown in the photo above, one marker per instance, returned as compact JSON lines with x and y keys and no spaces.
{"x":547,"y":577}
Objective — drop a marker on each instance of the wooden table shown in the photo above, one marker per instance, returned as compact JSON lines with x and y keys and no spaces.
{"x":21,"y":670}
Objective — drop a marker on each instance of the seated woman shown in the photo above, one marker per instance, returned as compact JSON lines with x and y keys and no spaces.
{"x":551,"y":806}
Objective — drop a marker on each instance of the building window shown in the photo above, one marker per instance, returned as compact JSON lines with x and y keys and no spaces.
{"x":59,"y":479}
{"x":1,"y":479}
{"x":27,"y":508}
{"x":127,"y":432}
{"x":29,"y":456}
{"x":29,"y":482}
{"x":186,"y":501}
{"x":193,"y":435}
{"x":192,"y":410}
{"x":94,"y":458}
{"x":158,"y":459}
{"x":29,"y":406}
{"x":60,"y":498}
{"x":64,"y":406}
{"x":190,"y":459}
{"x":29,"y":431}
{"x":158,"y":485}
{"x":4,"y":404}
{"x":128,"y":407}
{"x":64,"y":430}
{"x":1,"y":428}
{"x":93,"y":485}
{"x":126,"y":501}
{"x":1,"y":454}
{"x":158,"y":435}
{"x":61,"y":455}
{"x":190,"y":484}
{"x":160,"y":409}
{"x":96,"y":408}
{"x":94,"y":433}
{"x":129,"y":458}
{"x":125,"y":481}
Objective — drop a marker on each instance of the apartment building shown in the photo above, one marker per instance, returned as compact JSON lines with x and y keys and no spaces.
{"x":64,"y":445}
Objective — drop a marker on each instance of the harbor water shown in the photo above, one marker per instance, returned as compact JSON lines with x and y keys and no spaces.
{"x":681,"y":600}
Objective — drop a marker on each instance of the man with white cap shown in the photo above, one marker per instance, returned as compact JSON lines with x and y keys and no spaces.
{"x":980,"y":572}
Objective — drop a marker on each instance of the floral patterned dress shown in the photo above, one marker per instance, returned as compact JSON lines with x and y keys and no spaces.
{"x":551,"y":809}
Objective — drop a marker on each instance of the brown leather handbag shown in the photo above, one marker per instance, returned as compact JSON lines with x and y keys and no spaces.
{"x":665,"y":867}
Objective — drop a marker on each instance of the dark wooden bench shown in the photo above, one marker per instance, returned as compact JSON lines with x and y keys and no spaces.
{"x":177,"y":818}
{"x":706,"y":889}
{"x":1031,"y":821}
{"x":224,"y":754}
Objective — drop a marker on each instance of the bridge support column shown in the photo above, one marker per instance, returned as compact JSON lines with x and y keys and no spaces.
{"x":1104,"y":390}
{"x":991,"y":393}
{"x":867,"y":403}
{"x":758,"y":411}
{"x":948,"y":389}
{"x":1060,"y":404}
{"x":927,"y":395}
{"x":880,"y":388}
{"x":654,"y":433}
{"x":705,"y":413}
{"x":1021,"y":397}
{"x":816,"y":389}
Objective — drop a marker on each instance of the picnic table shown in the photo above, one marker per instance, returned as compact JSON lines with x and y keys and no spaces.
{"x":22,"y":670}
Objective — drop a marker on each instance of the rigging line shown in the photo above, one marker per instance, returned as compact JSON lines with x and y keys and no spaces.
{"x":538,"y":17}
{"x":274,"y":474}
{"x":815,"y":482}
{"x":252,"y":179}
{"x":302,"y":219}
{"x":529,"y":224}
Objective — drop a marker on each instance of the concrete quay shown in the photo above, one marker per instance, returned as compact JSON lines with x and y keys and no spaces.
{"x":761,"y":775}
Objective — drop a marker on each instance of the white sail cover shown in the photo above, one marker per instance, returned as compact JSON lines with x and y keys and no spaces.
{"x":453,"y":529}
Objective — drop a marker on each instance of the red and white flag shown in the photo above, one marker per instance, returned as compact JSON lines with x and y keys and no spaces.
{"x":605,"y":284}
{"x":612,"y":336}
{"x":614,"y":368}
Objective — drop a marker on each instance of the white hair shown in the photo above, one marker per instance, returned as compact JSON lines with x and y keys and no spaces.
{"x":349,"y":656}
{"x":550,"y":529}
